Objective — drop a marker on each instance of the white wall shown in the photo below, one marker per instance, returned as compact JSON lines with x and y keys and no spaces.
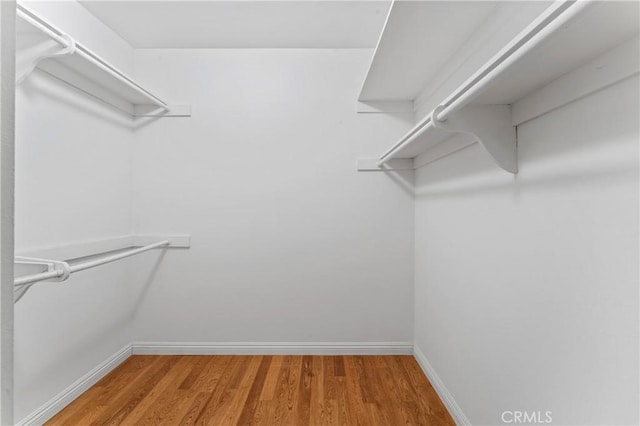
{"x":289,"y":242}
{"x":527,"y":286}
{"x":73,"y":184}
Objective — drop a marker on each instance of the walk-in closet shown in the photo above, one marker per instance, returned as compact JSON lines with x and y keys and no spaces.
{"x":319,"y":212}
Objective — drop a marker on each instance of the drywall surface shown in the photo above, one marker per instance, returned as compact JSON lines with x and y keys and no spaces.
{"x":527,"y":286}
{"x":73,"y":184}
{"x":289,"y":242}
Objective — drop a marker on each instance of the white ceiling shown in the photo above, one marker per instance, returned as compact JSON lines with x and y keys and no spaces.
{"x":244,"y":24}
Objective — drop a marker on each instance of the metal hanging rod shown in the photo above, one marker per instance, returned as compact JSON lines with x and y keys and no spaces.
{"x":62,"y":270}
{"x":74,"y":48}
{"x":552,"y":20}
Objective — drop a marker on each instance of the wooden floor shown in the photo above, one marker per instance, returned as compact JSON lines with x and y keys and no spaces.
{"x":261,"y":390}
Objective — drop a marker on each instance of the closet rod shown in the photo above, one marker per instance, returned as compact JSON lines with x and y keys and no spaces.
{"x":29,"y":279}
{"x":61,"y":38}
{"x":551,"y":21}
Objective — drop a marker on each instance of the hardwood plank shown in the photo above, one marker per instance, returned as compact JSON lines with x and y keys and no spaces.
{"x":329,"y":383}
{"x":229,"y":415}
{"x":426,"y":397}
{"x":384,"y":411}
{"x":164,"y":397}
{"x":331,"y":413}
{"x":253,"y":399}
{"x":213,"y":373}
{"x":359,"y":415}
{"x":290,"y":411}
{"x":196,"y":398}
{"x":116,"y":383}
{"x":196,"y":371}
{"x":304,"y":391}
{"x":365,"y":386}
{"x":195,"y":408}
{"x":99,"y":394}
{"x":86,"y":415}
{"x":222,"y":393}
{"x":264,"y":413}
{"x":260,"y":390}
{"x":279,"y":398}
{"x":271,"y":381}
{"x":317,"y":407}
{"x":343,"y":409}
{"x":338,"y":366}
{"x":140,"y":389}
{"x":86,"y":408}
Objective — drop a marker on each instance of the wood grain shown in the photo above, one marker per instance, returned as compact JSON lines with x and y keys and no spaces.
{"x":260,"y":390}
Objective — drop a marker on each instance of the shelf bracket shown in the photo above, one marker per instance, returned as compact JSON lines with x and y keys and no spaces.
{"x":490,"y":125}
{"x":69,"y":49}
{"x":52,"y":265}
{"x":62,"y":268}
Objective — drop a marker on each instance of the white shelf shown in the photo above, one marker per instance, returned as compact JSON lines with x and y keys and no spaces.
{"x":44,"y":46}
{"x":564,"y":38}
{"x":420,"y":39}
{"x":425,"y":27}
{"x":602,"y":26}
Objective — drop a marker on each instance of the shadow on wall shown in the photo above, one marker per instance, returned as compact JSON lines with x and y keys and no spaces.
{"x":570,"y":155}
{"x":148,"y":281}
{"x":472,"y":175}
{"x":40,"y":84}
{"x":403,"y":178}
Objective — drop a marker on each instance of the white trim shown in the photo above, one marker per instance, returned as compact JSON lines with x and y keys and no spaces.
{"x":272,"y":348}
{"x":64,"y":398}
{"x":444,"y":394}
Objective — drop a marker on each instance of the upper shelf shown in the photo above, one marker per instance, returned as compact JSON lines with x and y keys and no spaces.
{"x":593,"y":30}
{"x":564,"y":37}
{"x":416,"y":41}
{"x":419,"y":37}
{"x":44,"y":46}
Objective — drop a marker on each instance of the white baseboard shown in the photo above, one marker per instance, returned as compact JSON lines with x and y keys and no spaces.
{"x":272,"y":348}
{"x":444,"y":394}
{"x":64,"y":398}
